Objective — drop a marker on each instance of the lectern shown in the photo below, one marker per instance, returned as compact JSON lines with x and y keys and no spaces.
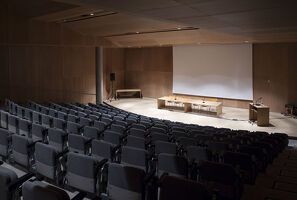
{"x":260,"y":113}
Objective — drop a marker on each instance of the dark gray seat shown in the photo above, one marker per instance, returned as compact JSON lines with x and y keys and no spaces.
{"x":173,"y":165}
{"x":13,"y":123}
{"x":136,"y":142}
{"x":185,"y":141}
{"x":59,"y":123}
{"x":85,"y":121}
{"x":125,"y":182}
{"x":195,"y":153}
{"x":79,"y":143}
{"x":46,"y":159}
{"x":73,"y":128}
{"x":100,"y":125}
{"x":139,"y":126}
{"x":57,"y":138}
{"x":39,"y":133}
{"x":165,"y":147}
{"x":135,"y":157}
{"x":53,"y":113}
{"x":28,"y":114}
{"x":46,"y":121}
{"x":25,"y":127}
{"x":108,"y":121}
{"x":82,"y":114}
{"x":175,"y":188}
{"x":84,"y":172}
{"x":138,"y":132}
{"x":102,"y":149}
{"x":112,"y":137}
{"x":72,"y":118}
{"x":159,"y":137}
{"x":22,"y":150}
{"x":94,"y":117}
{"x":121,"y":123}
{"x":4,"y":119}
{"x":62,"y":115}
{"x":73,"y":112}
{"x":92,"y":132}
{"x":118,"y":128}
{"x":7,"y":176}
{"x":20,"y":111}
{"x":36,"y":117}
{"x":44,"y":110}
{"x":37,"y":190}
{"x":5,"y":140}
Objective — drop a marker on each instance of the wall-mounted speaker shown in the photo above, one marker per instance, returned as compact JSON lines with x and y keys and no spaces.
{"x":112,"y":76}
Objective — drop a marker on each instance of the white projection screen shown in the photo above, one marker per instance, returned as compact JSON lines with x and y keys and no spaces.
{"x":223,"y":71}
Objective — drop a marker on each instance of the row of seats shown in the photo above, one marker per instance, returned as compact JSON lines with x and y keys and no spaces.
{"x":151,"y":145}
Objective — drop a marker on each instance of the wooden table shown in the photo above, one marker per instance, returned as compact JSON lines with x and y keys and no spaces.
{"x":260,"y":113}
{"x":188,"y":104}
{"x":128,"y":91}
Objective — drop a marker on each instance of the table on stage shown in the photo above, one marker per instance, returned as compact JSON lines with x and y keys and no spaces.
{"x":128,"y":91}
{"x":260,"y":113}
{"x":189,"y":104}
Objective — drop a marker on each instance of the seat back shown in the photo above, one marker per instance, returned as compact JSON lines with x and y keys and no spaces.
{"x":112,"y":137}
{"x":36,"y":190}
{"x":125,"y":182}
{"x":78,"y":143}
{"x":73,"y":128}
{"x":197,"y":153}
{"x":172,"y":164}
{"x":57,"y":138}
{"x":176,"y":188}
{"x":25,"y":127}
{"x":7,"y":176}
{"x":82,"y":172}
{"x":5,"y":137}
{"x":165,"y":147}
{"x":46,"y":160}
{"x":91,"y":132}
{"x":59,"y":123}
{"x":134,"y":157}
{"x":102,"y":149}
{"x":22,"y":150}
{"x":12,"y":123}
{"x":4,"y":119}
{"x":85,"y":121}
{"x":100,"y":125}
{"x":135,"y":142}
{"x":39,"y":132}
{"x":138,"y":132}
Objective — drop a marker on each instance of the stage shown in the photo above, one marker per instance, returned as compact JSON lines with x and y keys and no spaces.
{"x":233,"y":118}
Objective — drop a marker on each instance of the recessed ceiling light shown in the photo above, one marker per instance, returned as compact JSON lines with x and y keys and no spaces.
{"x":178,"y":28}
{"x":92,"y":14}
{"x":137,"y":32}
{"x":246,"y":41}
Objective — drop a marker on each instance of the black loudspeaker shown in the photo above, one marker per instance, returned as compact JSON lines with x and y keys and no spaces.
{"x":112,"y":76}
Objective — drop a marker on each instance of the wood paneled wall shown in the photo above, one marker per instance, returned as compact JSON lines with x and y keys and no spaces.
{"x":45,"y":62}
{"x":150,"y":69}
{"x":113,"y":62}
{"x":275,"y":74}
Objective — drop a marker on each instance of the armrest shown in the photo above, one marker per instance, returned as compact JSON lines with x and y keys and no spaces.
{"x":102,"y":162}
{"x":33,"y":144}
{"x":17,"y":183}
{"x":62,"y":153}
{"x":79,"y":196}
{"x":116,"y":148}
{"x":1,"y":162}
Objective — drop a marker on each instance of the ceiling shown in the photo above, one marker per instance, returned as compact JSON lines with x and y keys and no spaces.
{"x":136,"y":23}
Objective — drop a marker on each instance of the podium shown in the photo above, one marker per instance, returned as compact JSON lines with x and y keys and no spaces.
{"x":260,"y":113}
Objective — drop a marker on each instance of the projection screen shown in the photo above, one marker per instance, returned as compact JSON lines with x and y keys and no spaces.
{"x":223,"y":71}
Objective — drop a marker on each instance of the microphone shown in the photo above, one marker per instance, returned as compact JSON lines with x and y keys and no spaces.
{"x":260,"y":98}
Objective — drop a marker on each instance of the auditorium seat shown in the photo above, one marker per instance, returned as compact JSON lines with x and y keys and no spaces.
{"x":125,"y":182}
{"x":79,"y":143}
{"x":4,"y":119}
{"x":118,"y":128}
{"x":121,"y":123}
{"x":108,"y":121}
{"x":135,"y":157}
{"x":58,"y":139}
{"x":73,"y":128}
{"x":196,"y":154}
{"x":20,"y":111}
{"x":5,"y":140}
{"x":22,"y":151}
{"x":62,"y":115}
{"x":138,"y":132}
{"x":165,"y":147}
{"x":72,"y":118}
{"x":159,"y":130}
{"x":73,"y":112}
{"x":85,"y":121}
{"x":138,"y":126}
{"x":25,"y":127}
{"x":136,"y":142}
{"x":221,"y":178}
{"x":102,"y":149}
{"x":100,"y":125}
{"x":185,"y":141}
{"x":53,"y":113}
{"x":28,"y":114}
{"x":84,"y":173}
{"x":94,"y":117}
{"x":47,"y":162}
{"x":159,"y":137}
{"x":112,"y":137}
{"x":92,"y":132}
{"x":172,"y":164}
{"x":59,"y":123}
{"x":13,"y":123}
{"x":36,"y":117}
{"x":176,"y":188}
{"x":7,"y":176}
{"x":39,"y":133}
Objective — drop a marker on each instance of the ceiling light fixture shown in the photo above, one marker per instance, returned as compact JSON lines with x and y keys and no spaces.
{"x":137,"y":32}
{"x":246,"y":41}
{"x":178,"y":28}
{"x":92,"y":14}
